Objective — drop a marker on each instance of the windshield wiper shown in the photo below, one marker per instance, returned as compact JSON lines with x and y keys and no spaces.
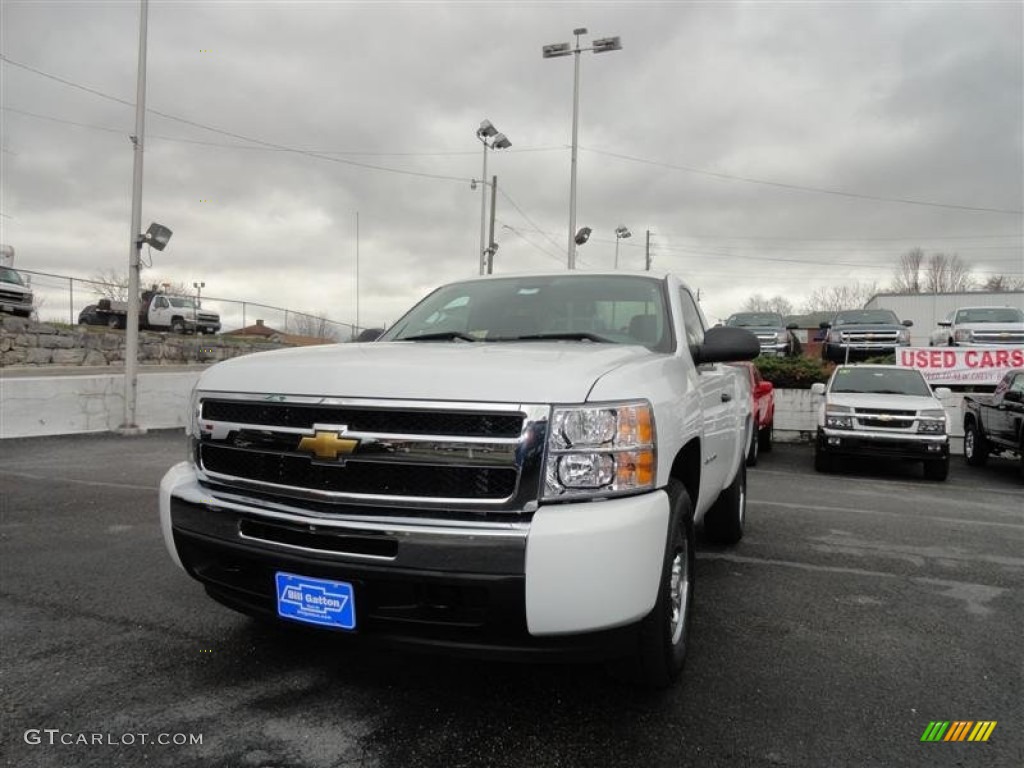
{"x":567,"y":336}
{"x":440,"y":336}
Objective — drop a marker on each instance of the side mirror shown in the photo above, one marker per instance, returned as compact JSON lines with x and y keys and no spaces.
{"x":908,"y":323}
{"x":1013,"y":396}
{"x":792,"y":327}
{"x":724,"y":344}
{"x":764,"y":388}
{"x":817,"y":388}
{"x":824,"y":325}
{"x":370,"y":334}
{"x":943,"y":392}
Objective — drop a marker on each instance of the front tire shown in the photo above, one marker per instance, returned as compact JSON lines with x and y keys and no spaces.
{"x":723,"y":523}
{"x":178,"y":326}
{"x":765,"y":437}
{"x":936,"y":469}
{"x":664,"y":632}
{"x":754,"y":447}
{"x":822,"y":461}
{"x":975,"y":445}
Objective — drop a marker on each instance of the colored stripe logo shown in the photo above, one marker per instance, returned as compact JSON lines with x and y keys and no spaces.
{"x":958,"y":730}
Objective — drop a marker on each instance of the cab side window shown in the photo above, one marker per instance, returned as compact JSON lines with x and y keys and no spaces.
{"x":693,"y":326}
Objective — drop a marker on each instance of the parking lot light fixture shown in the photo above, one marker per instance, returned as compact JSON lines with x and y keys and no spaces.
{"x":555,"y":50}
{"x":491,"y":138}
{"x":195,"y":310}
{"x":620,"y":233}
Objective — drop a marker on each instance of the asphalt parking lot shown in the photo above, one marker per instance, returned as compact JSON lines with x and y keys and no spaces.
{"x":859,"y":607}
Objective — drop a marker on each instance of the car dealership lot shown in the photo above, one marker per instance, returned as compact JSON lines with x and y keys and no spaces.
{"x":860,"y":606}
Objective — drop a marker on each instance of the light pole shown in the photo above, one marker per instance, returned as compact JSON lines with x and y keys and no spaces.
{"x":497,"y":141}
{"x":555,"y":50}
{"x":620,"y":232}
{"x":195,"y":310}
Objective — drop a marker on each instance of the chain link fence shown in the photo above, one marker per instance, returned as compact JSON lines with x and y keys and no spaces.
{"x":61,"y":299}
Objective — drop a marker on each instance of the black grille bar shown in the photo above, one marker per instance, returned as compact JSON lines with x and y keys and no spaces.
{"x":369,"y":478}
{"x":381,"y":421}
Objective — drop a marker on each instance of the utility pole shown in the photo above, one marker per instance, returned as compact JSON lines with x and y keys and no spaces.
{"x":131,"y":346}
{"x":490,"y":242}
{"x":647,"y":250}
{"x":356,"y":330}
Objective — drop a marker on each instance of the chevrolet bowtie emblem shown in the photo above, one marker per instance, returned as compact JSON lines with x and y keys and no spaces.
{"x":327,"y":445}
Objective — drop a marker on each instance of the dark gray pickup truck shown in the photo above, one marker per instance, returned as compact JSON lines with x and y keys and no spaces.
{"x":995,"y":423}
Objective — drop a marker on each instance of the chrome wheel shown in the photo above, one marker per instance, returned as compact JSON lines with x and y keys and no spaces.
{"x":679,"y":595}
{"x":969,"y":444}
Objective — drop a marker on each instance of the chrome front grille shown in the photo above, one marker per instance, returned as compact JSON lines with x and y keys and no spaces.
{"x":374,"y":453}
{"x":14,"y":297}
{"x":879,"y":418}
{"x":998,"y":337}
{"x":869,"y":337}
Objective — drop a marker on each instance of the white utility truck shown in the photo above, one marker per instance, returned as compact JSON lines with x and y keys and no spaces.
{"x":159,"y":311}
{"x":15,"y":295}
{"x":516,"y":468}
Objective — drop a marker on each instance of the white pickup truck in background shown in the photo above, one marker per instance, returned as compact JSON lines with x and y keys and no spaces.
{"x":515,"y":468}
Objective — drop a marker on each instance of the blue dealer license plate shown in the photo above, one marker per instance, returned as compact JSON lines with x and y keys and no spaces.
{"x":316,"y":601}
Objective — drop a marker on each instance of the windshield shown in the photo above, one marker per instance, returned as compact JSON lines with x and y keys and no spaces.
{"x":755,"y":320}
{"x":888,"y":381}
{"x":990,"y":315}
{"x":179,"y":301}
{"x":10,"y":276}
{"x":860,"y":316}
{"x":620,"y":310}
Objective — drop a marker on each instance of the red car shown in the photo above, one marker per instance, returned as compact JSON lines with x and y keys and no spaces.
{"x":763,"y":409}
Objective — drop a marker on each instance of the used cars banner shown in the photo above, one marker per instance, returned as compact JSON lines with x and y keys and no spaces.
{"x":961,"y":365}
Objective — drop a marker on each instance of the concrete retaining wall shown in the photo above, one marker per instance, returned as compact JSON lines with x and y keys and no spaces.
{"x":25,"y":343}
{"x":63,"y":405}
{"x":34,"y":406}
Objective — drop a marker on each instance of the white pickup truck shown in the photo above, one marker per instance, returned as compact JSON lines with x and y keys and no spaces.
{"x":515,"y":468}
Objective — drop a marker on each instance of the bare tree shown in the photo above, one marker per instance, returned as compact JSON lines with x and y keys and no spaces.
{"x":317,"y":326}
{"x":907,"y":278}
{"x":1001,"y":283}
{"x":110,"y":284}
{"x":946,"y":273}
{"x":838,"y":297}
{"x":758,"y":303}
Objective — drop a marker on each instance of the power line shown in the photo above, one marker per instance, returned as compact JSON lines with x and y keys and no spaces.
{"x":181,"y":139}
{"x":800,"y":187}
{"x":522,"y":213}
{"x":234,"y":135}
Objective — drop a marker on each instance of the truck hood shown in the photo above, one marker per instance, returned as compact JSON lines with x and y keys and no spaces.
{"x":888,"y":402}
{"x":507,"y":372}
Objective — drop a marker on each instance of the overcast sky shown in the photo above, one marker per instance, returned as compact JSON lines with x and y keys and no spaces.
{"x":712,"y":128}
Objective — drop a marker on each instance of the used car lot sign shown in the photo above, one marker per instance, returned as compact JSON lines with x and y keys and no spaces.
{"x":962,"y":365}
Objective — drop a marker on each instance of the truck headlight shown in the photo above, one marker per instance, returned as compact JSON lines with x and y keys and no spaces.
{"x":962,"y":335}
{"x":600,"y":450}
{"x":932,"y":421}
{"x":835,"y":337}
{"x":904,"y":336}
{"x":838,"y":417}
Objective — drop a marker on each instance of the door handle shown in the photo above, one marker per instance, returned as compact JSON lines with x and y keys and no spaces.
{"x":726,"y":397}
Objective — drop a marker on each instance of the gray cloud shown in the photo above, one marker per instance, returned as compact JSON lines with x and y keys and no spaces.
{"x":901,"y":100}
